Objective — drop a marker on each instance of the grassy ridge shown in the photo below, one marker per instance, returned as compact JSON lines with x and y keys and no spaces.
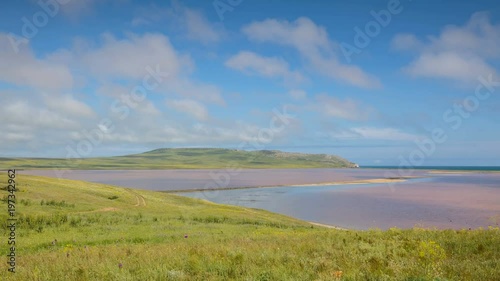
{"x":186,"y":158}
{"x":109,"y":233}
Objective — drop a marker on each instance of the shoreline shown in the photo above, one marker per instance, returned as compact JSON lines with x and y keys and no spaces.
{"x":368,"y":181}
{"x":327,"y":226}
{"x":446,"y":172}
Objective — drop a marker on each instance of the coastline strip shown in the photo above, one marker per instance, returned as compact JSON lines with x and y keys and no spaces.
{"x":327,"y":225}
{"x":368,"y":181}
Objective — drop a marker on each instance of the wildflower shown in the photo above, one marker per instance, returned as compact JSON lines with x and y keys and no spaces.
{"x":337,"y":274}
{"x":120,"y":265}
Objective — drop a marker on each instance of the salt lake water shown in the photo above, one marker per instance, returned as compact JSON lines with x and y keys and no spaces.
{"x":454,"y":201}
{"x":442,"y":200}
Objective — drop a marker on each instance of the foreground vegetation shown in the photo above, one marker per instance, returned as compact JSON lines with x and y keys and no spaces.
{"x":186,"y":158}
{"x":73,"y":230}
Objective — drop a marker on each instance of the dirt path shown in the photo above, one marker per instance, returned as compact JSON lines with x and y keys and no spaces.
{"x":141,"y":201}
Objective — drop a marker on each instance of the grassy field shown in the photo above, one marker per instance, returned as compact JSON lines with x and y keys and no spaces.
{"x":186,"y":158}
{"x":73,"y":230}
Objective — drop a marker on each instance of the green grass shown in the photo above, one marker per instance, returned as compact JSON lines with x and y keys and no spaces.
{"x":98,"y":227}
{"x":186,"y":158}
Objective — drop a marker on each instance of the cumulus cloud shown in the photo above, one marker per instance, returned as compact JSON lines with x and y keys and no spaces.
{"x":459,"y":53}
{"x":188,"y":88}
{"x":138,"y":56}
{"x":30,"y":125}
{"x":24,"y":69}
{"x":67,"y":105}
{"x":198,"y":28}
{"x":43,"y":111}
{"x":194,"y":24}
{"x":130,"y":57}
{"x":370,"y":133}
{"x":75,"y":10}
{"x":451,"y":65}
{"x":383,"y":134}
{"x":313,"y":43}
{"x":190,"y":107}
{"x":348,"y":109}
{"x":252,"y":63}
{"x":190,"y":23}
{"x":298,"y":94}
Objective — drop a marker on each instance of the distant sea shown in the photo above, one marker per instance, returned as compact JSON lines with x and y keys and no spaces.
{"x":452,"y":168}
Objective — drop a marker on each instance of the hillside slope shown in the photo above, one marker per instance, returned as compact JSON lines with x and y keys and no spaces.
{"x":186,"y":158}
{"x":74,"y":230}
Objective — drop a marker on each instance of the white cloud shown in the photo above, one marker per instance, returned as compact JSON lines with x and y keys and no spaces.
{"x":190,"y":107}
{"x":198,"y":28}
{"x":346,"y":109}
{"x":24,"y":69}
{"x":40,"y":111}
{"x":77,"y":9}
{"x":369,"y":133}
{"x":116,"y":92}
{"x":450,"y":65}
{"x":460,"y":53}
{"x":303,"y":34}
{"x":251,"y":62}
{"x":298,"y":94}
{"x":16,"y":137}
{"x":190,"y":23}
{"x":188,"y":88}
{"x":128,"y":58}
{"x":31,"y":117}
{"x":312,"y":42}
{"x":67,"y":105}
{"x":383,"y":134}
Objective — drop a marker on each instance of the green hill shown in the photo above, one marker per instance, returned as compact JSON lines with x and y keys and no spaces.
{"x":186,"y":158}
{"x":74,"y":230}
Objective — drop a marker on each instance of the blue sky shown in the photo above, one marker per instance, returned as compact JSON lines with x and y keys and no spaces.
{"x":379,"y":83}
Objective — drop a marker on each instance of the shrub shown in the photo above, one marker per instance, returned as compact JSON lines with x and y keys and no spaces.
{"x":57,"y":204}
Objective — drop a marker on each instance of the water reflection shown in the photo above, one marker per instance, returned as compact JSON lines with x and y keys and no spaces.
{"x":351,"y":206}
